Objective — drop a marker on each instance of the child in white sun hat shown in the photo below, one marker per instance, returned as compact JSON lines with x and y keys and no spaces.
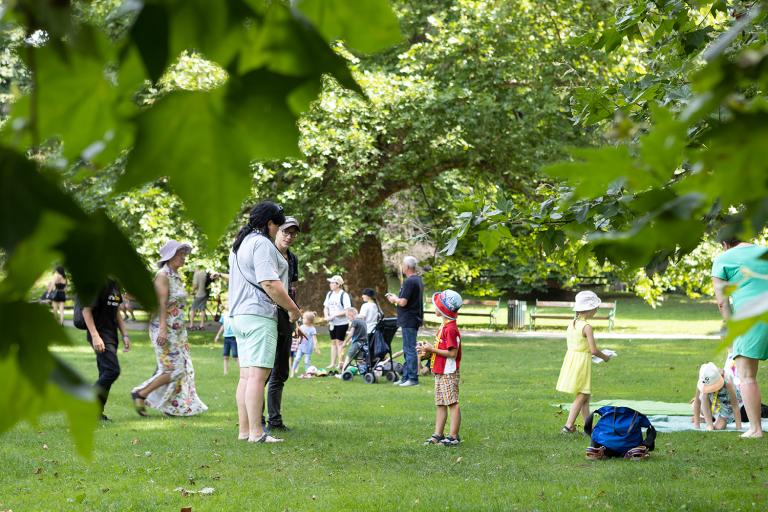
{"x":716,"y":398}
{"x":576,"y":372}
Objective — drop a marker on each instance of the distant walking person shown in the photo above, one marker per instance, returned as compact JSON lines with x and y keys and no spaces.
{"x":201,"y":281}
{"x":258,"y":286}
{"x":335,"y":312}
{"x":103,"y":320}
{"x":410,"y":316}
{"x":743,"y":265}
{"x":57,"y":291}
{"x":171,"y":389}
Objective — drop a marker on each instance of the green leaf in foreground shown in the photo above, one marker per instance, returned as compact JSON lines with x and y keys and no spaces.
{"x":748,"y":316}
{"x":92,"y":247}
{"x":62,"y":390}
{"x":367,"y":26}
{"x":192,"y":138}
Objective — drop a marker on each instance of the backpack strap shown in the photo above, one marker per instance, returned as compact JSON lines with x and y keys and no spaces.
{"x":588,"y":422}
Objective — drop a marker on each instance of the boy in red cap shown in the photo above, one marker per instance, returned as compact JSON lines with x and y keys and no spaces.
{"x":446,"y":358}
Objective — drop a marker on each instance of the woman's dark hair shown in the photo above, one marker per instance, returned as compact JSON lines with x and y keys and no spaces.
{"x":258,"y":220}
{"x":60,"y":270}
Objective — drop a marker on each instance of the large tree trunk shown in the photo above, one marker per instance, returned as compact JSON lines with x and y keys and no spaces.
{"x":365,"y":269}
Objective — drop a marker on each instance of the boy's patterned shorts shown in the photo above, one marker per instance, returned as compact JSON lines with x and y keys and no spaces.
{"x":447,"y":389}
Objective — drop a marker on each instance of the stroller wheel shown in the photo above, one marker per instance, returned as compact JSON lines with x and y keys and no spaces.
{"x":369,"y":378}
{"x":391,"y":376}
{"x":347,"y":375}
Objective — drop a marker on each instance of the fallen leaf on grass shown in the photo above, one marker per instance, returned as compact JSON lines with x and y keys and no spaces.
{"x":205,"y":491}
{"x":459,"y":460}
{"x":38,"y":471}
{"x":186,"y":509}
{"x":135,"y":441}
{"x":45,"y":447}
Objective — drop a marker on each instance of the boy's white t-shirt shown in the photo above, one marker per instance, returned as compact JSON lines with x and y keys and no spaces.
{"x":370,"y":314}
{"x":333,"y":301}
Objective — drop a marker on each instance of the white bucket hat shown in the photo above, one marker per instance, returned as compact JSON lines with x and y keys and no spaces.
{"x":710,"y":378}
{"x":336,"y":279}
{"x":170,"y":249}
{"x":586,"y":301}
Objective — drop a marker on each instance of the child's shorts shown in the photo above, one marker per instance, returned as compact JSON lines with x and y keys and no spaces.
{"x":230,"y":346}
{"x":354,"y":348}
{"x":446,"y":389}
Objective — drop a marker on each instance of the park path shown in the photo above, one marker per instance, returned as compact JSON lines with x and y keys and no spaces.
{"x":212,"y":327}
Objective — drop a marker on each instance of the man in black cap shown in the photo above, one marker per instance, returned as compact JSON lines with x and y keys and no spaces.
{"x":286,"y":235}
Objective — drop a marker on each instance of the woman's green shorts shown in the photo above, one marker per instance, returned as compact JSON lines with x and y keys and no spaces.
{"x":256,"y":340}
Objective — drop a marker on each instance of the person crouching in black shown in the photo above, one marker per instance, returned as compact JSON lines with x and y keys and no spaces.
{"x":103,"y":319}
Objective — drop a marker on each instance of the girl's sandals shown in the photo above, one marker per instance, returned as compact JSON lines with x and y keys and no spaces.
{"x":265,"y":438}
{"x":434,"y":439}
{"x":637,"y":453}
{"x":566,"y":430}
{"x":141,"y":409}
{"x":450,"y":441}
{"x":595,"y":453}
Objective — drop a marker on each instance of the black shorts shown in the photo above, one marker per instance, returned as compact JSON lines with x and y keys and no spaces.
{"x":338,"y":332}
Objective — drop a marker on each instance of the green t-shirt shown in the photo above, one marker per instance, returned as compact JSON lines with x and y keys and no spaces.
{"x":728,"y":266}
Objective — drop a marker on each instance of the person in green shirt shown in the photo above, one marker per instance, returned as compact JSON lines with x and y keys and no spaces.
{"x":742,"y":265}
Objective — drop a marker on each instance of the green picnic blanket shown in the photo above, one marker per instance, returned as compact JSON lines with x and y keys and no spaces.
{"x":647,"y":407}
{"x":665,"y":416}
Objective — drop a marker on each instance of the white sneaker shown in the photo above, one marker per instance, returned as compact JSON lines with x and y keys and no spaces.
{"x":409,"y":383}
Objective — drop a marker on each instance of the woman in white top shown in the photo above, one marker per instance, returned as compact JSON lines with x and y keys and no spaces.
{"x":335,"y":311}
{"x":370,"y":311}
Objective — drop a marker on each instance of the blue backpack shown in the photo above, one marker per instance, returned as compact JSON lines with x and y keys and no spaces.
{"x":619,"y":430}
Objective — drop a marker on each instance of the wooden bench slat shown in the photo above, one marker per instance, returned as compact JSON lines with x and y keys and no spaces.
{"x":563,"y":304}
{"x":557,"y":304}
{"x":470,"y":302}
{"x":536,"y":315}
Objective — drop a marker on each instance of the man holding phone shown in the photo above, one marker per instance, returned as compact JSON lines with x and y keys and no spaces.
{"x":410,"y":316}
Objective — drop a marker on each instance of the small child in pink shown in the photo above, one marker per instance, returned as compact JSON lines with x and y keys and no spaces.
{"x":446,"y":359}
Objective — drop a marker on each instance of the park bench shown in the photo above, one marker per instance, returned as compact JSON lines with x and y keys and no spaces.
{"x":491,"y":315}
{"x":533,"y":314}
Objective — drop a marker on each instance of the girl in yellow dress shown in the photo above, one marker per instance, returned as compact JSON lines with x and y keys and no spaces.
{"x":576,"y":372}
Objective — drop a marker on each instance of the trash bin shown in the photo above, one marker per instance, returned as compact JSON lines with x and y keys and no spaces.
{"x":516,"y":314}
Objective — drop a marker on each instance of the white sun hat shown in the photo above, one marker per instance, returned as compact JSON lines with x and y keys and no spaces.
{"x":710,"y":378}
{"x":586,"y":301}
{"x":169,"y":250}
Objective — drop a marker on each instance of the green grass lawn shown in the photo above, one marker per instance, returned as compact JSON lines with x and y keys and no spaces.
{"x":358,"y":446}
{"x":676,"y":314}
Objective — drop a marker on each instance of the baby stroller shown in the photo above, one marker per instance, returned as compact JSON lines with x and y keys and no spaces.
{"x":365,"y":361}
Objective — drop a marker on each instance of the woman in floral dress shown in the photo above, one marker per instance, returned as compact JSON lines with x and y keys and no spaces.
{"x":171,"y":389}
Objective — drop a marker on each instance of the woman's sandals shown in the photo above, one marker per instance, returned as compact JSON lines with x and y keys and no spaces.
{"x":141,"y":409}
{"x":265,"y":438}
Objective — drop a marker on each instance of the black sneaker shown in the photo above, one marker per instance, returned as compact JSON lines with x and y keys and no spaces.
{"x":279,"y":428}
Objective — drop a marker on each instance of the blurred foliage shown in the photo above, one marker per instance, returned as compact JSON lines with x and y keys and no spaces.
{"x":683,"y":121}
{"x":167,"y":102}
